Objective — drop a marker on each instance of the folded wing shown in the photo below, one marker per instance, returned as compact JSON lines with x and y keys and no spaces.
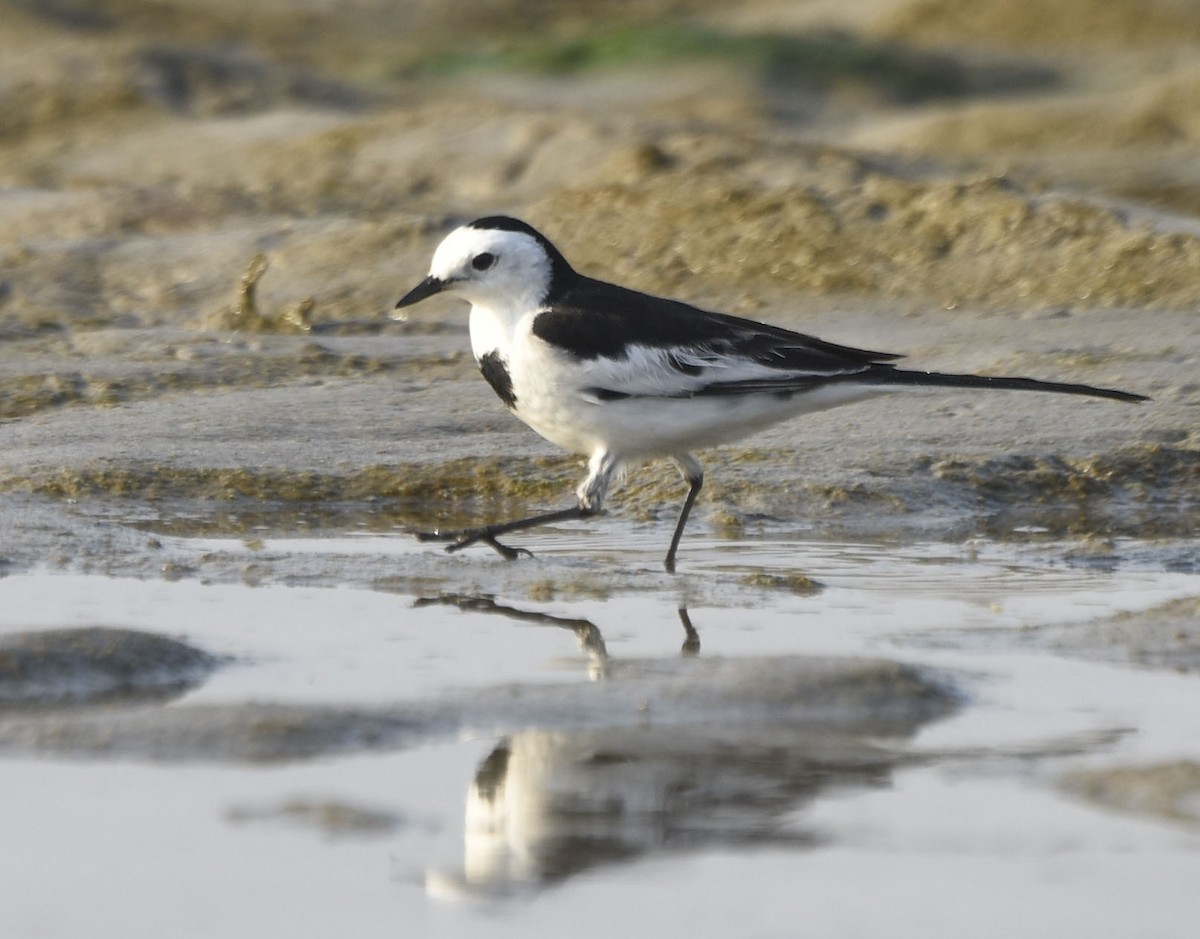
{"x":629,"y":344}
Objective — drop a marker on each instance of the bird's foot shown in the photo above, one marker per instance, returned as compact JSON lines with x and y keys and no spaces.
{"x":462,"y":539}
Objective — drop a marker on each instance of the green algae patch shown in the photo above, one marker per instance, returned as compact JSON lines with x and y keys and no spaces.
{"x":823,"y":59}
{"x":28,"y":394}
{"x":1145,"y":491}
{"x":799,"y":584}
{"x":461,"y":479}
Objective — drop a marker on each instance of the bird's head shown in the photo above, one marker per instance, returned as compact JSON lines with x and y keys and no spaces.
{"x":497,"y":262}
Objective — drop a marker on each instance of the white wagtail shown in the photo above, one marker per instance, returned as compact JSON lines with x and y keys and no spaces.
{"x":624,"y":377}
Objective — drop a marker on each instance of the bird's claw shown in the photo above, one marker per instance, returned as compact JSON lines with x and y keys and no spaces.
{"x":462,"y":539}
{"x":483,"y":536}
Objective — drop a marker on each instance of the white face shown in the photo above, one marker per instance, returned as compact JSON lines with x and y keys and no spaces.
{"x":492,"y":268}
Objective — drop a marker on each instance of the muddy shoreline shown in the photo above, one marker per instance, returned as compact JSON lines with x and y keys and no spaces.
{"x":216,"y":444}
{"x":198,"y":261}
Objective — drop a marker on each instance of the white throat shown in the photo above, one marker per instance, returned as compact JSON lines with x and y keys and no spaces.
{"x":492,"y":330}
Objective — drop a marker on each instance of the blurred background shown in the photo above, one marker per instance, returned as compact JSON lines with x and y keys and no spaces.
{"x":891,"y":149}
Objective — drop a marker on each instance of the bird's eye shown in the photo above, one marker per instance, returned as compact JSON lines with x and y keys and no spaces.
{"x":481,"y":262}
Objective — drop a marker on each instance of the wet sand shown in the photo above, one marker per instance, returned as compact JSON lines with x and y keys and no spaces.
{"x":217,"y":444}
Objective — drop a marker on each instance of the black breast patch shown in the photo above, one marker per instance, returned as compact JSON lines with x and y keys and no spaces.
{"x":495,"y":371}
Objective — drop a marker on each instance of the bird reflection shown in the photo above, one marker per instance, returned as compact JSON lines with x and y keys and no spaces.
{"x":691,"y":641}
{"x":546,"y":805}
{"x":590,"y":639}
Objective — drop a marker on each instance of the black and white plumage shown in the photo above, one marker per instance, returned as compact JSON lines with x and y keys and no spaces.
{"x":623,"y":377}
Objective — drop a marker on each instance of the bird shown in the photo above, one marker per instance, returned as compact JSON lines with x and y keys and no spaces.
{"x":623,"y":377}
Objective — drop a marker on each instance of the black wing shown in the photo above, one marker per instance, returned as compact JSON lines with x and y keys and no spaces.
{"x":590,"y":319}
{"x":718,"y":354}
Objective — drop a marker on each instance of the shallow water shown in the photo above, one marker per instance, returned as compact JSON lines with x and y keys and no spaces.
{"x":530,"y":813}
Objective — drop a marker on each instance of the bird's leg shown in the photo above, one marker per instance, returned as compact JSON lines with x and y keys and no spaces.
{"x":489,"y":533}
{"x":693,"y":474}
{"x":591,"y":497}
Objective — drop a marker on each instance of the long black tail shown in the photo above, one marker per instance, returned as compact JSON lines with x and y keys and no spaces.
{"x":888,"y":375}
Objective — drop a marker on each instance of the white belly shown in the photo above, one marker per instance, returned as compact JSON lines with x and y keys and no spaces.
{"x":552,"y":396}
{"x":646,"y":427}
